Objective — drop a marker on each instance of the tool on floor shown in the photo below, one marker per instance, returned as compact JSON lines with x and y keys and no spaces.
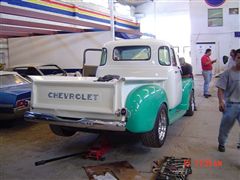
{"x":97,"y":151}
{"x":42,"y":162}
{"x":172,"y":168}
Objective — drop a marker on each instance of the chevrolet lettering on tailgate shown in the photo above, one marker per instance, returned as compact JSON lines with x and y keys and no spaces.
{"x":73,"y":96}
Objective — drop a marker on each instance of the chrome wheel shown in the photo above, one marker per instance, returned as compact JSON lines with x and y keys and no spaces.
{"x":162,"y":127}
{"x":156,"y":137}
{"x":192,"y":104}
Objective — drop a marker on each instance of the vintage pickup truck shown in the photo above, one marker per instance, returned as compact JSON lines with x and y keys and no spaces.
{"x":138,"y":88}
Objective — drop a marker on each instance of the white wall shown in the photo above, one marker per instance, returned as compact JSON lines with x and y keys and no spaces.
{"x":168,"y":20}
{"x":3,"y":53}
{"x":65,"y":50}
{"x":222,"y":36}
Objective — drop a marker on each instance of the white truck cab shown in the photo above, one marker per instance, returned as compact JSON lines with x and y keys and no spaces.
{"x":144,"y":58}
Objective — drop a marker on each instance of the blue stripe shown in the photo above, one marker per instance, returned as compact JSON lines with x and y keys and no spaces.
{"x":54,"y":10}
{"x":92,"y":18}
{"x":37,"y":6}
{"x":127,"y":26}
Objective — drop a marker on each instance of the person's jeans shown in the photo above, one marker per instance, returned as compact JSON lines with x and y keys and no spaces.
{"x":207,"y":75}
{"x":230,"y":115}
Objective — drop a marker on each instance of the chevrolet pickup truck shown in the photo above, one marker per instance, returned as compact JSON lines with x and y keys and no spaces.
{"x":138,"y":88}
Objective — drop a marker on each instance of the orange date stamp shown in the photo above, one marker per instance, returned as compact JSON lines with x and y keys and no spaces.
{"x":204,"y":163}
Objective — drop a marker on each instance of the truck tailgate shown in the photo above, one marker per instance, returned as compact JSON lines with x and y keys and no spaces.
{"x":82,"y":94}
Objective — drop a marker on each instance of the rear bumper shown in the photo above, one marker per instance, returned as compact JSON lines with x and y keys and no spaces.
{"x":100,"y":124}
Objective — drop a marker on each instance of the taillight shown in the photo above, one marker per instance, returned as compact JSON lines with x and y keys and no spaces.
{"x":121,"y":112}
{"x":21,"y":103}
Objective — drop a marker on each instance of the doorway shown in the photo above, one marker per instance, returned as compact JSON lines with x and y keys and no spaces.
{"x":200,"y":51}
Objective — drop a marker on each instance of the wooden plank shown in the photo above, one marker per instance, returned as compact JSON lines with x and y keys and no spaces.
{"x":27,"y":30}
{"x":39,"y":25}
{"x":7,"y":34}
{"x":119,"y":170}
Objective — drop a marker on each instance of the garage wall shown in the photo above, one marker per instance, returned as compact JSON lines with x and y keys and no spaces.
{"x":223,"y":36}
{"x":3,"y":53}
{"x":65,"y":50}
{"x":169,"y":21}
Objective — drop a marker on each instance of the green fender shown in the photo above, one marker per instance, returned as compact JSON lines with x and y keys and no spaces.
{"x":143,"y":104}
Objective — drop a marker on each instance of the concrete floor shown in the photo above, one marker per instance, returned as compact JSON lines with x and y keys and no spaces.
{"x":196,"y":137}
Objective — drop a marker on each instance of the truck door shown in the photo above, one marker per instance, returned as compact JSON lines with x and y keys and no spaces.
{"x":175,"y":81}
{"x":91,"y":60}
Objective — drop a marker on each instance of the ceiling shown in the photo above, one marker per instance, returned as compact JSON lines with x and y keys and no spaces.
{"x":133,"y":2}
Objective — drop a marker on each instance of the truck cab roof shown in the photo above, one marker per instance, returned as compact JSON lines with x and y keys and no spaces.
{"x":132,"y":42}
{"x":138,"y":57}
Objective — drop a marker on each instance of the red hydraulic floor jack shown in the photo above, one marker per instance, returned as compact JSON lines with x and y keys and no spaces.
{"x":99,"y":149}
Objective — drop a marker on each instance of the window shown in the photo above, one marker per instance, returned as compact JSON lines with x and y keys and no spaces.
{"x":215,"y":17}
{"x":233,"y":11}
{"x":173,"y":58}
{"x":50,"y":70}
{"x":176,"y":49}
{"x":11,"y":80}
{"x":132,"y":53}
{"x":103,"y":57}
{"x":164,"y":56}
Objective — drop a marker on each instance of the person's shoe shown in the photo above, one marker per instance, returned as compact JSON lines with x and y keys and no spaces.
{"x":205,"y":95}
{"x":221,"y":148}
{"x":209,"y":95}
{"x":238,"y":146}
{"x":195,"y":108}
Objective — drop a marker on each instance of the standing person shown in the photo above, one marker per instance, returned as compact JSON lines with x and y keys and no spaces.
{"x":229,"y":101}
{"x":207,"y":71}
{"x":187,"y":72}
{"x":231,"y":60}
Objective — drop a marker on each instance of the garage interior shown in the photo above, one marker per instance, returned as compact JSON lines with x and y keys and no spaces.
{"x":35,"y":32}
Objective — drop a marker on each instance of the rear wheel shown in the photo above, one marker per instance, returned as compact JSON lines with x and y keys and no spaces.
{"x":61,"y":130}
{"x":190,"y":110}
{"x":157,"y":136}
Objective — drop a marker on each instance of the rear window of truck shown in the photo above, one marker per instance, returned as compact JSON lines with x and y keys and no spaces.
{"x":132,"y":53}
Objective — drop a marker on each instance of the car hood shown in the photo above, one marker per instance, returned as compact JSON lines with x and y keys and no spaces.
{"x":12,"y":94}
{"x":16,"y":90}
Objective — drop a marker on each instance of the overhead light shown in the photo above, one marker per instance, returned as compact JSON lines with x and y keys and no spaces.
{"x":133,"y":2}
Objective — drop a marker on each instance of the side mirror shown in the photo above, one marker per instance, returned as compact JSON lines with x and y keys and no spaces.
{"x":225,"y":59}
